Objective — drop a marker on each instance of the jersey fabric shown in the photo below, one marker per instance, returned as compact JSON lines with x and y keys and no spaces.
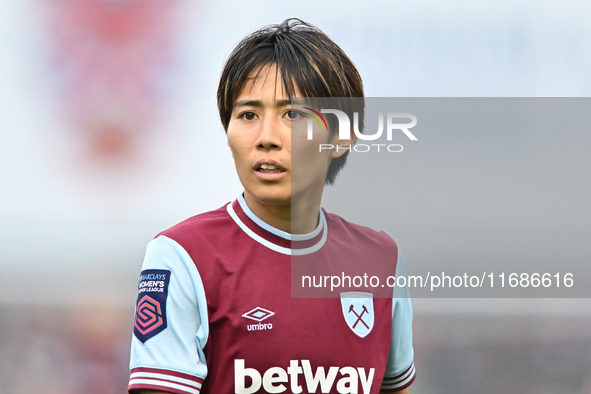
{"x":215,"y":313}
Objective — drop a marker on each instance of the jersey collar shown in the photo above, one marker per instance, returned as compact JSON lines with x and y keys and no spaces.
{"x":273,"y":238}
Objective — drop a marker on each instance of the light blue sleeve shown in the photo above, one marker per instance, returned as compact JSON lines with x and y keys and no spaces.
{"x":400,"y":371}
{"x":173,"y":359}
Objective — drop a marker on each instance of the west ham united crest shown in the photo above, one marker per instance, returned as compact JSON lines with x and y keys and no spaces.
{"x":358,"y":312}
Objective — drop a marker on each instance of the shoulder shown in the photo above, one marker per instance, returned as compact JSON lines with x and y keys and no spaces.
{"x":205,"y":225}
{"x":354,"y":233}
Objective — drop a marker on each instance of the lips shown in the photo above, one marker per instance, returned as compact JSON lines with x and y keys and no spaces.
{"x":268,"y":167}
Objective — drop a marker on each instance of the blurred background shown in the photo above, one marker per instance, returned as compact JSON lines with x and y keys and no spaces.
{"x":109,"y":134}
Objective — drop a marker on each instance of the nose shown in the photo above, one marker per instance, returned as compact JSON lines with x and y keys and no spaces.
{"x":270,"y":135}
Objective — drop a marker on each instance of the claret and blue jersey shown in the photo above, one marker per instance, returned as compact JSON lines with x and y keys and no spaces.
{"x":215,"y":313}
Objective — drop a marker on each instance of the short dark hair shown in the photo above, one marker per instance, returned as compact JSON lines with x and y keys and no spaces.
{"x":304,"y":54}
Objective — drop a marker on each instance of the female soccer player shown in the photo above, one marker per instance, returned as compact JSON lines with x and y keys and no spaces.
{"x":214,"y":311}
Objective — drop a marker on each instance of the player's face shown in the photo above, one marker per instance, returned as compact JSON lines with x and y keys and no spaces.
{"x":261,"y":139}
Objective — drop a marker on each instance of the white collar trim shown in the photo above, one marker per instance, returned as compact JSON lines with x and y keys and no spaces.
{"x":276,"y":231}
{"x":297,"y":237}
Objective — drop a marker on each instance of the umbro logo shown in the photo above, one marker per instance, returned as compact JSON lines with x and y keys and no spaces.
{"x":259,"y":314}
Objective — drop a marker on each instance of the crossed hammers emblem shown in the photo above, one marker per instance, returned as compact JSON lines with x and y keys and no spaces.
{"x":359,"y":317}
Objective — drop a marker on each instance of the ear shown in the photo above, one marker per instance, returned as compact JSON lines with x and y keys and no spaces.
{"x":342,"y":146}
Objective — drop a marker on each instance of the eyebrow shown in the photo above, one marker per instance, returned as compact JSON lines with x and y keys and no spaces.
{"x":259,"y":103}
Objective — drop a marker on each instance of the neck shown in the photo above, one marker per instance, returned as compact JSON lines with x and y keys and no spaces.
{"x":297,"y":217}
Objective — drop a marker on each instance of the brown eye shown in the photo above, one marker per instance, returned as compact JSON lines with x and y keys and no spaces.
{"x":293,"y":115}
{"x":248,"y":116}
